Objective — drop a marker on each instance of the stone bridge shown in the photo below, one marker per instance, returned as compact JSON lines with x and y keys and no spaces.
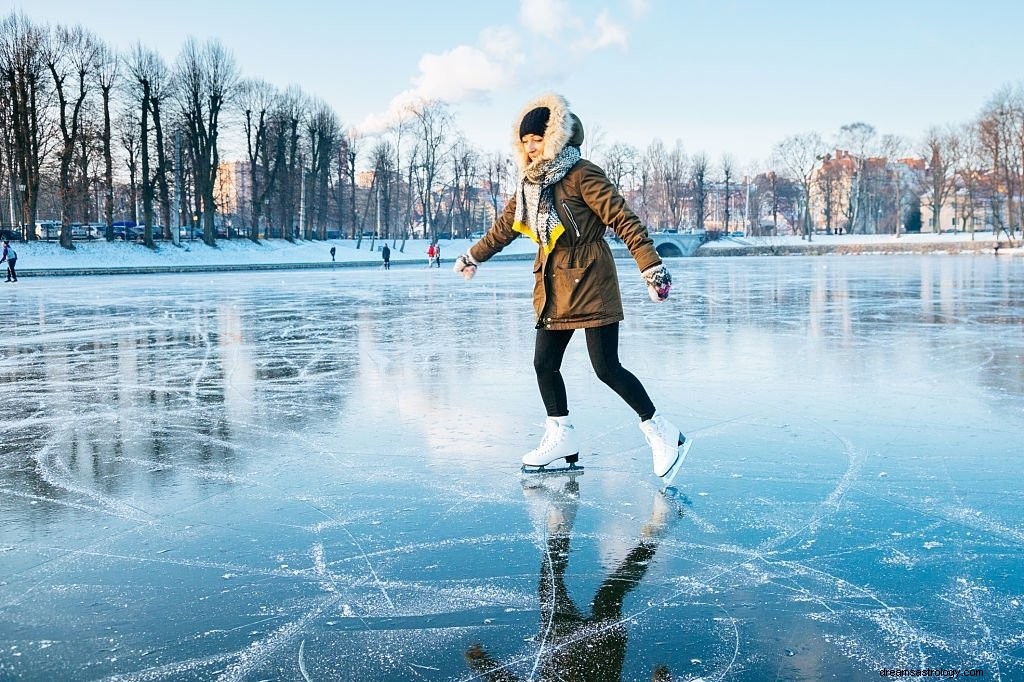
{"x":673,"y":244}
{"x":668,"y":244}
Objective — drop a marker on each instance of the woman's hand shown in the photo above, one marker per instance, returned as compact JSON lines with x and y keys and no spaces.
{"x":465,"y":265}
{"x":659,"y":282}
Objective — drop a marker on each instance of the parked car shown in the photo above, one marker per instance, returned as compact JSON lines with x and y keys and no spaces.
{"x":477,"y":235}
{"x":48,"y":229}
{"x":80,"y":231}
{"x":128,"y":233}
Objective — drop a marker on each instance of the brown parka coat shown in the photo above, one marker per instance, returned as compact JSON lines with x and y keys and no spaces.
{"x":576,"y":285}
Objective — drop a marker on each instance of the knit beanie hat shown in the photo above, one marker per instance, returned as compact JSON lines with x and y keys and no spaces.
{"x":535,"y":122}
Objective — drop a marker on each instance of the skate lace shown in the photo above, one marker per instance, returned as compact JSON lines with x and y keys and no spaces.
{"x":547,"y":442}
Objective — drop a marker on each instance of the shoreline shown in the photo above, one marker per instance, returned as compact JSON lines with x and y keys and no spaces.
{"x":902,"y":245}
{"x":49,"y":259}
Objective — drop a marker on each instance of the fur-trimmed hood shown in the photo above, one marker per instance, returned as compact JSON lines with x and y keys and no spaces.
{"x":563,"y":128}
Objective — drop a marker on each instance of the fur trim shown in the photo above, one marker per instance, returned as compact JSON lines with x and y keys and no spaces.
{"x":557,"y":134}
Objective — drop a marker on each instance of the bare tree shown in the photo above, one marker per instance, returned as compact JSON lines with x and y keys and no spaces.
{"x":892,"y":148}
{"x":207,"y":78}
{"x":728,"y":171}
{"x":620,"y":164}
{"x":108,"y":74}
{"x":128,"y":127}
{"x":152,"y":89}
{"x":798,"y":156}
{"x":656,"y":160}
{"x":999,"y":128}
{"x":465,"y":162}
{"x":499,"y":180}
{"x":258,"y":101}
{"x":593,"y":142}
{"x":384,"y":172}
{"x":402,"y":209}
{"x":858,"y":138}
{"x":23,"y":70}
{"x":674,"y":181}
{"x":348,"y":155}
{"x":71,"y":57}
{"x":322,"y":135}
{"x":283,"y":144}
{"x":700,"y":168}
{"x":433,"y":124}
{"x":968,"y":171}
{"x":938,"y":152}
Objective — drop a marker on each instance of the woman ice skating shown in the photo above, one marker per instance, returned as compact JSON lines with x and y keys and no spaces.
{"x":563,"y":203}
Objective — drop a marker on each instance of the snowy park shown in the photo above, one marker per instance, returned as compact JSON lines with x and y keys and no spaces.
{"x":314,"y":475}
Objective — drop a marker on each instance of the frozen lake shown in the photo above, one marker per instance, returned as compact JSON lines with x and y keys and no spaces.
{"x":315,"y":476}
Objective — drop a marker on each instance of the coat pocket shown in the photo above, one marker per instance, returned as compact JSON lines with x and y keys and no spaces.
{"x":580,"y":292}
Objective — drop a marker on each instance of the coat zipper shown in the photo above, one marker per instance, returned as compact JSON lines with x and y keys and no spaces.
{"x":572,"y":219}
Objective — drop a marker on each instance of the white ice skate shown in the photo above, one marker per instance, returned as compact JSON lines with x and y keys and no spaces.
{"x":668,"y":447}
{"x":559,"y":442}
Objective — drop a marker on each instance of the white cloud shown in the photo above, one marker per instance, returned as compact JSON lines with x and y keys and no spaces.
{"x":639,"y":7}
{"x":548,"y":18}
{"x":501,"y":53}
{"x":451,"y":76}
{"x":606,"y":33}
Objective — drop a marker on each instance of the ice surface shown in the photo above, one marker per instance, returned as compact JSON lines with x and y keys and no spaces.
{"x":315,"y":476}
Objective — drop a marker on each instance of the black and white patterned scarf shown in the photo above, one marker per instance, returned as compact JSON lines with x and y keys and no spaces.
{"x":535,"y":214}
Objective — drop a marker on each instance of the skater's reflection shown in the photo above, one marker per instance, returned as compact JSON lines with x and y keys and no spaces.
{"x":574,"y":646}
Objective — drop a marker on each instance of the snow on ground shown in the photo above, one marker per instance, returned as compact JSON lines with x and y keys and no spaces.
{"x":100,"y":254}
{"x":851,"y":239}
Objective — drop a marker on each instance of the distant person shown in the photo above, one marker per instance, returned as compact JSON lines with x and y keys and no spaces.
{"x":437,"y":255}
{"x":431,"y":254}
{"x":385,"y":253}
{"x":11,"y":257}
{"x":562,"y":203}
{"x":333,"y":251}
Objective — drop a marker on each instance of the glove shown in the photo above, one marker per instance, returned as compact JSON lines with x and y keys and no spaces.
{"x":465,"y":265}
{"x":659,"y":282}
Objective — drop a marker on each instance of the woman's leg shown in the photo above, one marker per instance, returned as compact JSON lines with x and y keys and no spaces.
{"x":548,"y":351}
{"x":603,"y":347}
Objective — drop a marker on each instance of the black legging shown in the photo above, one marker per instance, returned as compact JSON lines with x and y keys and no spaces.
{"x":603,"y":347}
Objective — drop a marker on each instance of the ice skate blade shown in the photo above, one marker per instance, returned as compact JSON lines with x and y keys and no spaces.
{"x":572,"y":468}
{"x":670,"y":475}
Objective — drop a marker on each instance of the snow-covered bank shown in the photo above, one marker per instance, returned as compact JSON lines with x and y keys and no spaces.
{"x":979,"y":242}
{"x":102,"y":256}
{"x":39,"y":258}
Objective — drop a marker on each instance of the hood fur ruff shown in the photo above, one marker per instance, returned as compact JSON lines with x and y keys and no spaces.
{"x":557,"y":134}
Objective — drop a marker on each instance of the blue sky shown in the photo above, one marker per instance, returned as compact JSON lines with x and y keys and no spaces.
{"x":720,"y":76}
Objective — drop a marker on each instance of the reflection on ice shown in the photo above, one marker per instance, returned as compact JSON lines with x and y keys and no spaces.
{"x":572,"y":643}
{"x":315,"y":476}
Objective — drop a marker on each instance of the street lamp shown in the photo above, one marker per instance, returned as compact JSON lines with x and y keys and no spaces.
{"x":24,"y":227}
